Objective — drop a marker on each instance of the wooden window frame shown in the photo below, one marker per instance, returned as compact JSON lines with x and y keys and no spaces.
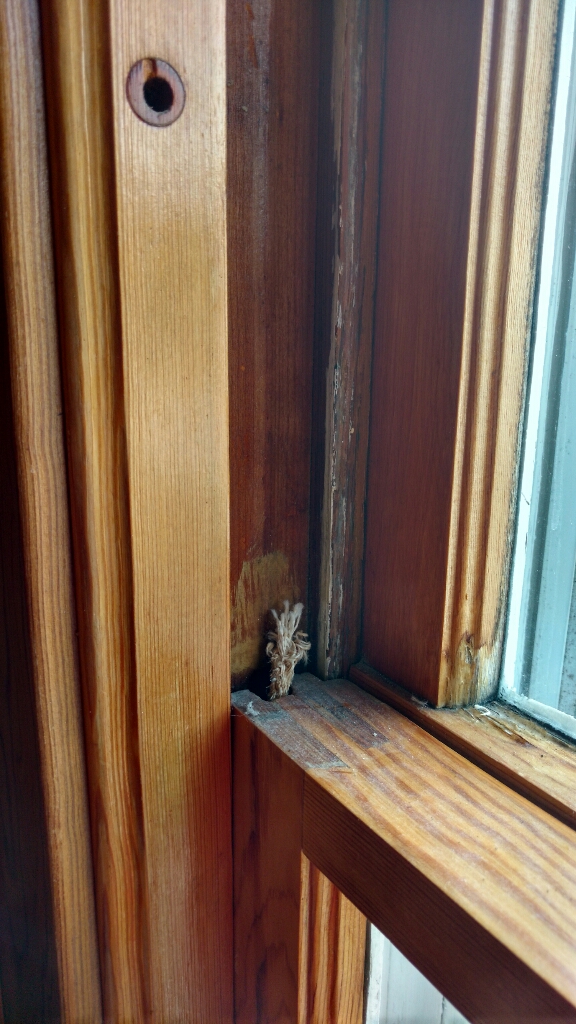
{"x":514,"y":70}
{"x":296,"y":771}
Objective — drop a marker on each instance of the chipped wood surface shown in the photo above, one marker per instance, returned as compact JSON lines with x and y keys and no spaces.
{"x":348,"y":200}
{"x":521,"y":753}
{"x":272,"y":88}
{"x":394,"y":830}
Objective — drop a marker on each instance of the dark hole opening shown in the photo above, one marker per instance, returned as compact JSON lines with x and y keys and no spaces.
{"x":158,"y":94}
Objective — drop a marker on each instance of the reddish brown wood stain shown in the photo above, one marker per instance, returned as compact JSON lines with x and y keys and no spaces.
{"x":428,"y":141}
{"x":272,"y":78}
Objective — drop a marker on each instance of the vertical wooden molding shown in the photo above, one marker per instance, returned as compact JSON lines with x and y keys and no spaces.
{"x":171,"y":210}
{"x":464,"y":151}
{"x":44,"y":506}
{"x":332,"y":950}
{"x":79,"y":97}
{"x":511,"y":140}
{"x":346,"y":276}
{"x":272,"y":85}
{"x":28,"y":962}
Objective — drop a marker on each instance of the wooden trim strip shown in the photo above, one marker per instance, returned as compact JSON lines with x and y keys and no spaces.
{"x":35,"y":371}
{"x":79,"y":103}
{"x":511,"y":141}
{"x":469,"y":880}
{"x":524,"y":755}
{"x":171,"y":223}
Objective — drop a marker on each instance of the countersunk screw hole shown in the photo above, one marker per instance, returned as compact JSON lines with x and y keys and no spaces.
{"x":158,"y":94}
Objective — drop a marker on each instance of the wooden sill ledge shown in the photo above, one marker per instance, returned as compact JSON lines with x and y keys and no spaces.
{"x":471,"y":881}
{"x":526,"y":756}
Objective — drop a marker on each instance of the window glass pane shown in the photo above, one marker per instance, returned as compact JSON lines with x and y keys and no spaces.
{"x":540,"y":653}
{"x":398,"y":993}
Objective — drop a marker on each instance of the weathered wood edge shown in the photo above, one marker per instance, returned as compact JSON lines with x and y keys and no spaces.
{"x":451,"y":727}
{"x":346,"y":249}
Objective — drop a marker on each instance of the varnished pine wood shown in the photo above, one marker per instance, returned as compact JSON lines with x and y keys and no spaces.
{"x":332,"y":951}
{"x":38,"y":422}
{"x":347,"y":222}
{"x":272,"y":84}
{"x":464,"y":152}
{"x":79,"y":101}
{"x":521,"y":753}
{"x":468,"y":879}
{"x":170,"y":197}
{"x":28,"y":966}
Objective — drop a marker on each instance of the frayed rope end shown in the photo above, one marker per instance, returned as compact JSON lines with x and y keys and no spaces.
{"x":288,"y":645}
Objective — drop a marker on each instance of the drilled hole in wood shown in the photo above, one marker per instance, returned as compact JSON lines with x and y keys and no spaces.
{"x":155,"y":92}
{"x":158,"y":94}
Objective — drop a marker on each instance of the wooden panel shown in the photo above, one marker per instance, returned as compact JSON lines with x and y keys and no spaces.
{"x":44,"y":507}
{"x":426,"y":181}
{"x":332,"y":952}
{"x":170,"y":191}
{"x":474,"y":884}
{"x":348,"y":179}
{"x":79,"y":102}
{"x":28,"y":967}
{"x":267,"y":872}
{"x":272,"y":75}
{"x":524,"y":755}
{"x":464,"y":153}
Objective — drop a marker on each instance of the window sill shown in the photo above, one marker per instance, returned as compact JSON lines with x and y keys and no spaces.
{"x":471,"y":881}
{"x":528,"y":757}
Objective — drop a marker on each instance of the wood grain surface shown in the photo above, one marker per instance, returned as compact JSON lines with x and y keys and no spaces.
{"x":83,"y":203}
{"x":521,"y":753}
{"x":267,"y":877}
{"x":463,"y":159}
{"x":35,"y":375}
{"x":299,"y":944}
{"x":28,"y":965}
{"x":474,"y":884}
{"x":510,"y":159}
{"x":170,"y":196}
{"x":332,"y":953}
{"x":272,"y":83}
{"x":426,"y":182}
{"x":350,"y":118}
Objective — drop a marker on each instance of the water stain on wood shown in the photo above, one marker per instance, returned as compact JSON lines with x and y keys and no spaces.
{"x":264,"y":583}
